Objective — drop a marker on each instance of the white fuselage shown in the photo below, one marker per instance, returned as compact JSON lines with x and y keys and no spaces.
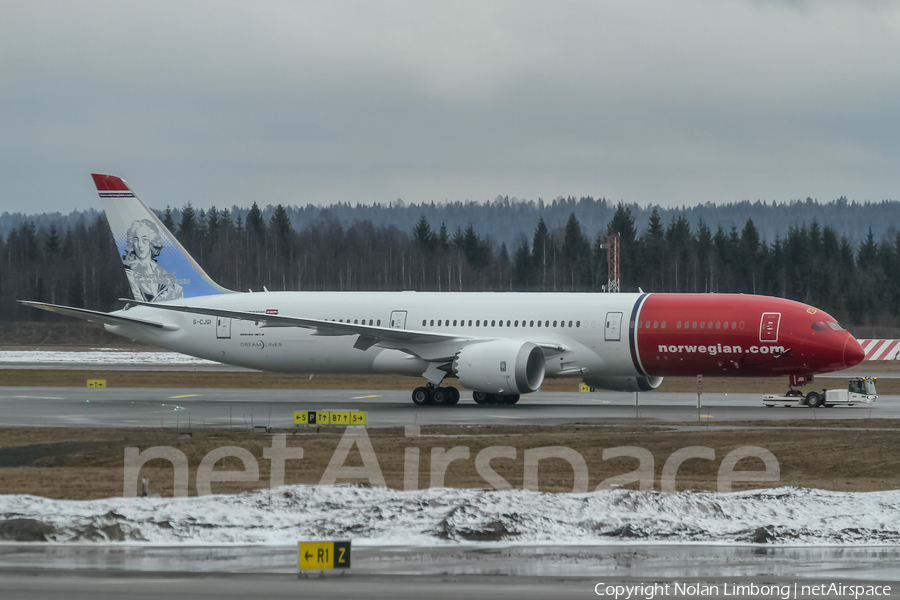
{"x":576,"y":322}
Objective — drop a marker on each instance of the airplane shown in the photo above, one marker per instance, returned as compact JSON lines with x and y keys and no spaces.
{"x":501,"y":345}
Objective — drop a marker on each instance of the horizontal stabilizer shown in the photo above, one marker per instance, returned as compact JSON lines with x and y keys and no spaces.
{"x":95,"y":316}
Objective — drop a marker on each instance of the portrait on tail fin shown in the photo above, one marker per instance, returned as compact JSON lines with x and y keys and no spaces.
{"x":148,"y":280}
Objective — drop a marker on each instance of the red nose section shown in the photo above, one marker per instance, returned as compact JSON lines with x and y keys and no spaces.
{"x":853,"y":352}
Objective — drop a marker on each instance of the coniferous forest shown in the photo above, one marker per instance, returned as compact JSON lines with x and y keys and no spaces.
{"x":74,"y":262}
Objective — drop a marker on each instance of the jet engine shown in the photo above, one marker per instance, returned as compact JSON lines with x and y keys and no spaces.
{"x":624,"y":384}
{"x":501,"y":367}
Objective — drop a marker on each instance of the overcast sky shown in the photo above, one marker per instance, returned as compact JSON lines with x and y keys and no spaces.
{"x":674,"y":102}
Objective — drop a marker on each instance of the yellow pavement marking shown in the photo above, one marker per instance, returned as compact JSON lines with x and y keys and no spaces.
{"x":361,"y":397}
{"x":185,"y":396}
{"x":707,"y":416}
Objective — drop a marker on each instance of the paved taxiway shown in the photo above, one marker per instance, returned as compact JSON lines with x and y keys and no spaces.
{"x":91,"y":571}
{"x":155,"y":407}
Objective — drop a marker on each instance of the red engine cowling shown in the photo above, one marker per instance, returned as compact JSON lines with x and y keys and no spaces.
{"x":501,"y":367}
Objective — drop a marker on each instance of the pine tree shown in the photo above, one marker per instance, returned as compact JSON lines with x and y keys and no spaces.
{"x":281,"y":228}
{"x":541,"y":252}
{"x":423,"y":235}
{"x":168,"y":220}
{"x":51,"y":245}
{"x":522,"y":266}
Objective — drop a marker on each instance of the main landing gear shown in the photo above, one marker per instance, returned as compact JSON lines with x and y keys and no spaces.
{"x":443,"y":396}
{"x":448,"y":396}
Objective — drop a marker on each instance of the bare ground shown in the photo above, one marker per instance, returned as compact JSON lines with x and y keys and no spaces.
{"x":86,"y":463}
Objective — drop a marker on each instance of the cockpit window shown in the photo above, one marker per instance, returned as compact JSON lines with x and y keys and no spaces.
{"x":826,"y":325}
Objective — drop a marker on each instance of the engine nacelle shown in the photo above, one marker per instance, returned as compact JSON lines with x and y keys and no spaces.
{"x":624,"y":384}
{"x":501,"y":367}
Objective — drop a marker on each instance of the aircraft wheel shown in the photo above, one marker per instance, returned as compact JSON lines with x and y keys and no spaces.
{"x":512,"y":398}
{"x":439,"y":396}
{"x":453,"y":393}
{"x":813,"y":400}
{"x":421,"y":396}
{"x":480,"y":397}
{"x":496,"y":398}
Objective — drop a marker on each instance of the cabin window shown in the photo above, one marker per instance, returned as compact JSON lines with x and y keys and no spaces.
{"x":501,"y":322}
{"x":493,"y":323}
{"x":663,"y":324}
{"x":577,"y":323}
{"x":718,"y":324}
{"x":516,"y":323}
{"x":678,"y":325}
{"x":694,"y":325}
{"x":454,"y":322}
{"x":478,"y":323}
{"x":532,"y":324}
{"x":539,"y":323}
{"x":432,"y":322}
{"x":570,"y":323}
{"x":655,"y":323}
{"x":702,"y":324}
{"x":734,"y":324}
{"x":470,"y":322}
{"x":423,"y":322}
{"x":378,"y":322}
{"x":507,"y":323}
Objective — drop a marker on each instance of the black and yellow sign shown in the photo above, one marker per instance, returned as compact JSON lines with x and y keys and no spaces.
{"x":311,"y":417}
{"x":324,"y":555}
{"x":96,"y":383}
{"x":304,"y":417}
{"x":339,"y":417}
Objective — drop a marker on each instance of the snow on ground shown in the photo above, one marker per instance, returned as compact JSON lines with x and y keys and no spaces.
{"x":378,"y":516}
{"x":99,"y":356}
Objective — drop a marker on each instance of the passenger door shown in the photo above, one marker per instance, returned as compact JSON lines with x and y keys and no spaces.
{"x":223,"y":328}
{"x":768,"y":327}
{"x":398,"y":319}
{"x":613,"y":331}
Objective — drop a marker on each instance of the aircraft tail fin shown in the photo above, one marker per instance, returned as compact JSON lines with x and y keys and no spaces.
{"x":156,"y":264}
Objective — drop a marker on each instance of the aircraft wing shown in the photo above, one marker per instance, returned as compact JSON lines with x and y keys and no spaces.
{"x":370,"y":335}
{"x":94,"y":316}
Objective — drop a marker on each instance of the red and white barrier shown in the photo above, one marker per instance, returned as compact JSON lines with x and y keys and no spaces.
{"x":880,"y":349}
